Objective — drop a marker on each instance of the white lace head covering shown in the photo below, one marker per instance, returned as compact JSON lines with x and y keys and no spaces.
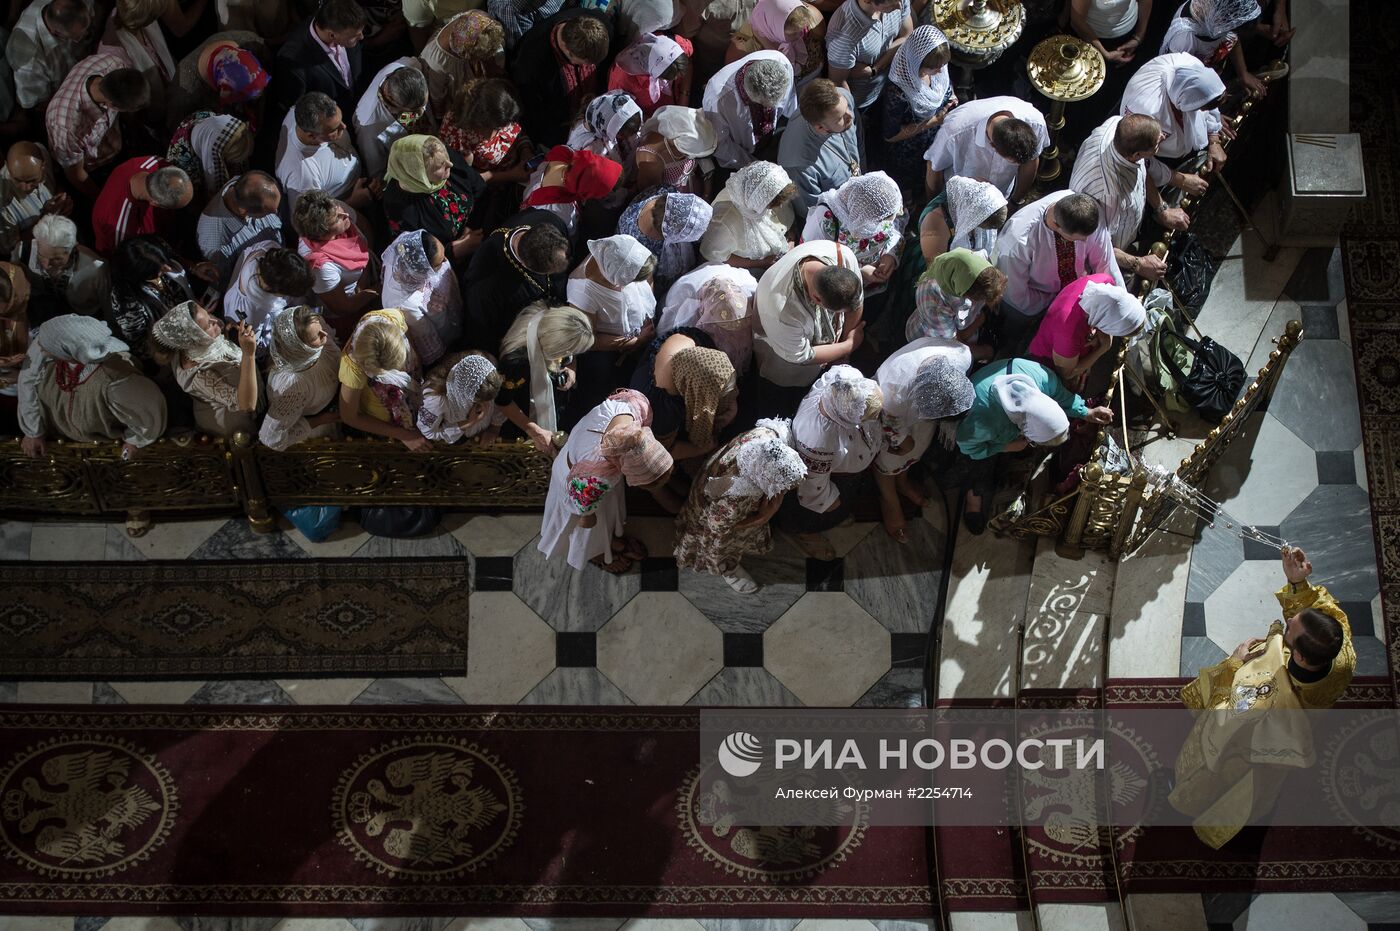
{"x":408,"y":270}
{"x":1034,"y":412}
{"x":686,"y":218}
{"x":924,"y":99}
{"x":843,"y":393}
{"x":1112,"y":309}
{"x":76,"y":338}
{"x":753,"y":187}
{"x":463,"y":382}
{"x":287,"y":349}
{"x":864,"y":202}
{"x":970,"y":203}
{"x":941,"y":389}
{"x":177,"y":332}
{"x":650,"y":55}
{"x":691,"y":131}
{"x":1220,"y":17}
{"x":768,"y":466}
{"x":620,"y":257}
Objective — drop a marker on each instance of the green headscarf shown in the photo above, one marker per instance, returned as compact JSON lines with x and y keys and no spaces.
{"x":956,"y":271}
{"x":406,"y":166}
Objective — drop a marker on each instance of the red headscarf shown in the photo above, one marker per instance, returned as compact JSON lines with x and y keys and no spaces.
{"x":590,"y":177}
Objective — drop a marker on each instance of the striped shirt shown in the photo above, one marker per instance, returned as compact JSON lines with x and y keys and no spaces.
{"x":853,"y":38}
{"x":222,"y":235}
{"x":117,"y":216}
{"x":77,"y":124}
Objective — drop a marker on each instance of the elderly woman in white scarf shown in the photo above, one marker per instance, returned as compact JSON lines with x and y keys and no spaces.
{"x":1016,"y":404}
{"x":303,"y":380}
{"x":733,"y":500}
{"x":753,"y":217}
{"x":917,"y":97}
{"x":418,"y":280}
{"x":1080,"y":325}
{"x":862,"y":215}
{"x":748,"y":98}
{"x":924,"y":386}
{"x":1184,"y":96}
{"x":459,"y":400}
{"x":717,"y":299}
{"x":221,"y":377}
{"x":79,"y":383}
{"x":836,"y":432}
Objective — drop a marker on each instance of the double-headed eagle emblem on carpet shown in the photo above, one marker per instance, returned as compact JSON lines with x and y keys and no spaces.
{"x":427,"y":808}
{"x":84,"y":807}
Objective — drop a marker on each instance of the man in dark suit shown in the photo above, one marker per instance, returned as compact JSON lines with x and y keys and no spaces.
{"x":323,"y":55}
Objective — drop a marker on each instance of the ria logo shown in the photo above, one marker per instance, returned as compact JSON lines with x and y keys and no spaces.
{"x":741,"y":754}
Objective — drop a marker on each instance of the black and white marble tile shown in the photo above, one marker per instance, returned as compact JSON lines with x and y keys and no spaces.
{"x":576,"y":686}
{"x":236,"y":540}
{"x":782,"y":573}
{"x":898,"y":583}
{"x":120,"y":547}
{"x":567,"y":598}
{"x":743,"y":687}
{"x":748,"y":924}
{"x":407,"y":692}
{"x":241,"y":692}
{"x":1316,"y":396}
{"x":437,"y":544}
{"x":9,"y":693}
{"x":400,"y":924}
{"x":1373,"y":907}
{"x":1370,"y":656}
{"x":14,"y":539}
{"x":1216,"y":554}
{"x":1198,"y":653}
{"x":1334,"y":527}
{"x":1225,"y":907}
{"x":104,"y":694}
{"x":227,"y":924}
{"x":574,"y":924}
{"x":898,"y":688}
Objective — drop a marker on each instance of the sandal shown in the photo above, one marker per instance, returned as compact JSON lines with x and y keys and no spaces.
{"x":618,"y":566}
{"x":634,"y":548}
{"x":138,"y":523}
{"x":741,"y":581}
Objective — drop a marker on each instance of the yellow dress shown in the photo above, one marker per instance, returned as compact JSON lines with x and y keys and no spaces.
{"x":1237,"y":756}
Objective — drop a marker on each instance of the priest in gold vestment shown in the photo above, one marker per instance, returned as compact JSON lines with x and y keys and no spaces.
{"x":1248,"y":735}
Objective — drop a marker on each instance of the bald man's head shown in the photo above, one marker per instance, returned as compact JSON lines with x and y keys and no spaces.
{"x":68,"y":19}
{"x":1137,"y":136}
{"x":26,"y":165}
{"x":256,"y":194}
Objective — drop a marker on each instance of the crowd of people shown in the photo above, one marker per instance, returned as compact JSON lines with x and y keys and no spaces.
{"x":735,"y":254}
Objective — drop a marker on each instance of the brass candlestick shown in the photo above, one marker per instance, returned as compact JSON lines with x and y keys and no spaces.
{"x":979,"y":32}
{"x":1065,"y":69}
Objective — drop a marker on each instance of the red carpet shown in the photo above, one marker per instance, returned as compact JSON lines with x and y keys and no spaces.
{"x":1276,"y":859}
{"x":410,"y":811}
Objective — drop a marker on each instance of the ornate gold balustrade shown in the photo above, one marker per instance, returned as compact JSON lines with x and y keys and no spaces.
{"x":91,"y":479}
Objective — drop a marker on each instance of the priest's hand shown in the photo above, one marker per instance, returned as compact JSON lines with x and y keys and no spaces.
{"x":1245,"y":651}
{"x":1296,"y":566}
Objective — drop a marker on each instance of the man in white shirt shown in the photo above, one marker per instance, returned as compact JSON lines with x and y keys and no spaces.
{"x":50,"y":37}
{"x":397,"y":97}
{"x":998,"y":140}
{"x":27,"y":192}
{"x":809,"y":306}
{"x":314,"y":153}
{"x":1044,"y":247}
{"x":243,"y":213}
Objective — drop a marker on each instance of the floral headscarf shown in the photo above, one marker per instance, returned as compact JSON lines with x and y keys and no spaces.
{"x":462,"y":35}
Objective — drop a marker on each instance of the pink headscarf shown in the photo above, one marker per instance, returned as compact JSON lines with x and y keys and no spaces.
{"x":632,"y":452}
{"x":769,"y":21}
{"x":650,"y":55}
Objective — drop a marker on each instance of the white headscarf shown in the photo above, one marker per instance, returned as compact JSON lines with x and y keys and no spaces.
{"x":1193,"y":85}
{"x":768,"y":466}
{"x":409,"y":276}
{"x":178,"y":332}
{"x":643,"y":16}
{"x":650,"y":55}
{"x":1112,"y":309}
{"x":603,"y":119}
{"x":691,"y":131}
{"x":1220,"y":17}
{"x":1123,"y":182}
{"x":619,"y":257}
{"x":463,"y":382}
{"x":287,"y":349}
{"x":842,"y":393}
{"x":76,"y":338}
{"x":924,"y":99}
{"x":864,"y":202}
{"x":727,"y":77}
{"x":970,"y":203}
{"x":751,"y":189}
{"x":1175,"y":80}
{"x":1034,"y":412}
